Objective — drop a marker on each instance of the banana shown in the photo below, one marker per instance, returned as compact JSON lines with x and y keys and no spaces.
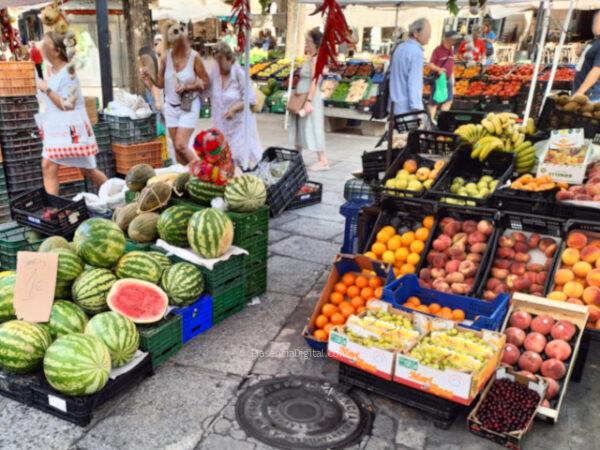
{"x":490,"y":116}
{"x":524,"y":145}
{"x":515,"y":136}
{"x":476,"y":151}
{"x":495,"y":145}
{"x":488,"y":125}
{"x":520,"y":140}
{"x":508,"y":145}
{"x":525,"y":156}
{"x":530,"y":126}
{"x":497,"y":125}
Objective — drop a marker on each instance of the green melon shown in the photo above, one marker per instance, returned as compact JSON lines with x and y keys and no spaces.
{"x":99,"y":242}
{"x":154,"y":196}
{"x":123,"y":215}
{"x":91,"y":288}
{"x":139,"y":265}
{"x":143,"y":227}
{"x":66,"y":318}
{"x":210,"y":233}
{"x":183,"y":283}
{"x":22,"y":345}
{"x":69,"y":264}
{"x":162,"y":259}
{"x":246,"y":193}
{"x":118,"y":333}
{"x":138,"y":176}
{"x":203,"y":192}
{"x":53,"y":242}
{"x":77,"y":364}
{"x":180,"y":183}
{"x":172,"y":225}
{"x":7,"y":288}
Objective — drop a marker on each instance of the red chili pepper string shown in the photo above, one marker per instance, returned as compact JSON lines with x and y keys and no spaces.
{"x":240,"y":11}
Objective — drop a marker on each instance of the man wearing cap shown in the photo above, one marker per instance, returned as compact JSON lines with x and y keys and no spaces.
{"x":474,"y":46}
{"x":442,"y":60}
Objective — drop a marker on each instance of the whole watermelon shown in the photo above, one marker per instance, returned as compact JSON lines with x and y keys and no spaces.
{"x":99,"y":242}
{"x":22,"y":345}
{"x":91,"y":288}
{"x":66,"y":318}
{"x":161,"y":258}
{"x":63,"y":289}
{"x":77,"y":364}
{"x":203,"y":192}
{"x":183,"y":283}
{"x":7,"y":289}
{"x":172,"y":225}
{"x":69,"y":264}
{"x":53,"y":242}
{"x":245,"y":193}
{"x":139,"y":265}
{"x":118,"y":333}
{"x":210,"y":233}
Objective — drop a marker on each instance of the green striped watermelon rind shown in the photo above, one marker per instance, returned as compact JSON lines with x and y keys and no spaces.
{"x":63,"y":289}
{"x":70,"y":265}
{"x":183,"y":283}
{"x":172,"y":225}
{"x":210,"y":233}
{"x":7,"y":289}
{"x":99,"y":242}
{"x":22,"y":345}
{"x":161,"y":258}
{"x":139,"y":265}
{"x":53,"y":242}
{"x":91,"y":288}
{"x":246,"y":193}
{"x":118,"y":333}
{"x":66,"y":318}
{"x":203,"y":192}
{"x":77,"y":364}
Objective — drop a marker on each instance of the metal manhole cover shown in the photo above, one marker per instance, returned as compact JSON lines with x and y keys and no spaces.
{"x":303,"y":413}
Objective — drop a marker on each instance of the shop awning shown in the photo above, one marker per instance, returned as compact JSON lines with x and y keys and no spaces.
{"x":190,"y":10}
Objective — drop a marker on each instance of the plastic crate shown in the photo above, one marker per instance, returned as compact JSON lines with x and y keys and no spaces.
{"x":79,"y":410}
{"x":17,"y":78}
{"x":224,"y":275}
{"x":249,"y":225}
{"x":350,"y":210}
{"x":27,"y":210}
{"x":162,"y":339}
{"x":105,"y":162}
{"x":451,"y":120}
{"x":469,"y":104}
{"x":257,"y":248}
{"x":542,"y":202}
{"x":127,"y":156}
{"x":131,"y":246}
{"x":303,"y":199}
{"x":576,"y":212}
{"x":13,"y":239}
{"x":71,"y":189}
{"x":102,"y":134}
{"x":499,"y":165}
{"x":69,"y":174}
{"x":226,"y":304}
{"x":374,"y":164}
{"x":501,"y":104}
{"x":552,"y":118}
{"x":403,"y":123}
{"x":479,"y":314}
{"x":26,"y":170}
{"x":356,"y":188}
{"x":17,"y":387}
{"x":195,"y":318}
{"x":20,"y":145}
{"x":17,"y":109}
{"x":124,"y":130}
{"x":282,"y":193}
{"x":255,"y":282}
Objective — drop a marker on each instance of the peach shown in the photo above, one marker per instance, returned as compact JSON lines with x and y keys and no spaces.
{"x":576,"y":240}
{"x":444,"y":221}
{"x":502,"y":287}
{"x":573,"y":289}
{"x":593,"y":277}
{"x":531,"y":362}
{"x":581,"y":268}
{"x":510,"y":355}
{"x":597,"y":265}
{"x":591,"y":295}
{"x":505,"y":253}
{"x":441,"y":243}
{"x":485,"y":227}
{"x":425,"y":274}
{"x":492,"y":283}
{"x":489,"y":296}
{"x":518,"y":236}
{"x":540,"y":278}
{"x":522,"y":257}
{"x":553,"y":389}
{"x":455,"y":277}
{"x":517,"y":268}
{"x":590,"y":253}
{"x":535,"y":342}
{"x":475,"y":257}
{"x":570,"y":256}
{"x":553,"y":368}
{"x":460,"y":237}
{"x":452,"y":266}
{"x":476,"y":237}
{"x":506,"y":241}
{"x":451,"y":228}
{"x":558,"y":349}
{"x":432,"y":254}
{"x":542,"y":324}
{"x":439,"y":261}
{"x":510,"y":280}
{"x":536,"y":289}
{"x":550,"y":250}
{"x":521,"y":247}
{"x":502,"y":263}
{"x":501,"y":274}
{"x":531,"y":276}
{"x":534,"y":240}
{"x":557,"y":295}
{"x":545,"y":403}
{"x":515,"y":336}
{"x":437,"y":273}
{"x":467,"y":268}
{"x":535,"y":267}
{"x":575,"y":301}
{"x":522,"y":284}
{"x":478,"y":248}
{"x":563,"y":276}
{"x":545,"y":243}
{"x":460,"y":288}
{"x":457,"y":249}
{"x":563,"y":329}
{"x":564,"y":195}
{"x":594,"y":313}
{"x":520,"y":319}
{"x":441,"y":285}
{"x":528,"y":374}
{"x":469,"y":226}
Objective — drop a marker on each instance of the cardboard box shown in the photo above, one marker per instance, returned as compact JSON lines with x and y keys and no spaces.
{"x":576,"y":314}
{"x":457,"y":386}
{"x":566,"y":156}
{"x":512,"y":439}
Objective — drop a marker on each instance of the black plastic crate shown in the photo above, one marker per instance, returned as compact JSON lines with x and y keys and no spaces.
{"x":451,"y":120}
{"x":367,"y":217}
{"x":501,"y":104}
{"x":498,"y":165}
{"x":552,"y":118}
{"x":469,"y":104}
{"x":70,"y":190}
{"x":27,"y":210}
{"x":24,"y":169}
{"x":374,"y":163}
{"x":79,"y":410}
{"x":18,"y":386}
{"x":282,"y":193}
{"x":577,"y":212}
{"x":440,"y":411}
{"x":357,"y":188}
{"x":406,"y":122}
{"x":124,"y":130}
{"x":19,"y":145}
{"x":303,"y":199}
{"x":518,"y":200}
{"x":10,"y":122}
{"x":17,"y":104}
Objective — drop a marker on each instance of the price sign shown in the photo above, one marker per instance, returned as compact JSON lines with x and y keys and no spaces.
{"x":34,"y":286}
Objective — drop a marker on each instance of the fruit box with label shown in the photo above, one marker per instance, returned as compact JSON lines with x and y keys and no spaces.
{"x":370,"y":340}
{"x":576,"y":314}
{"x":451,"y":362}
{"x":511,"y":439}
{"x":566,"y":156}
{"x":343,"y":264}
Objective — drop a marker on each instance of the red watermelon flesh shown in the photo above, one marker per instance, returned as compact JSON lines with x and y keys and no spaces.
{"x":138,"y":300}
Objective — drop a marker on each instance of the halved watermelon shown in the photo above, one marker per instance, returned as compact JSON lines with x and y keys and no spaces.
{"x":138,"y":300}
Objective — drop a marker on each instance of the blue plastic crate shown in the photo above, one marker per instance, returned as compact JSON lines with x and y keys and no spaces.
{"x":350,"y":211}
{"x":195,"y":318}
{"x":480,"y":313}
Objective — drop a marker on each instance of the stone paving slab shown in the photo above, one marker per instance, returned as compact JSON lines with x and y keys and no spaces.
{"x":307,"y":249}
{"x":318,"y":229}
{"x":292,"y":276}
{"x":321,"y":211}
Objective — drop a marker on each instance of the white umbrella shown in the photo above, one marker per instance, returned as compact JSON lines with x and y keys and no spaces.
{"x":194,"y":10}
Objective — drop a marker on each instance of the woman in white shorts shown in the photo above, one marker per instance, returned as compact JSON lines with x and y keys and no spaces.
{"x":182,"y":76}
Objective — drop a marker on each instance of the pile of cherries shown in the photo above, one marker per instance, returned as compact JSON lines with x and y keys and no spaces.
{"x":507,"y":407}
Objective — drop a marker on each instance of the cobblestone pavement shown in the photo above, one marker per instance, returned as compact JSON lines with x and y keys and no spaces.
{"x":189,"y":403}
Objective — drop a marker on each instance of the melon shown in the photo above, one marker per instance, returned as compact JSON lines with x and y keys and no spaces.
{"x":210,"y":233}
{"x":69,"y":264}
{"x":143,"y":227}
{"x":139,"y":301}
{"x":246,"y":193}
{"x":180,"y":183}
{"x":53,"y":242}
{"x":153,"y":197}
{"x":63,"y":289}
{"x":124,"y":215}
{"x":138,"y":176}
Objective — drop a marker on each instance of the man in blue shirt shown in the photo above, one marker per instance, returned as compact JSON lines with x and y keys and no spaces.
{"x":406,"y":77}
{"x":587,"y":77}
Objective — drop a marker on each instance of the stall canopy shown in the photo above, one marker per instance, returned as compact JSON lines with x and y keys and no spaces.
{"x":190,"y":10}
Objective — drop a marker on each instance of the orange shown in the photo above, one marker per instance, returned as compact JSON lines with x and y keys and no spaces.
{"x":383,"y":237}
{"x":389,"y":230}
{"x":414,"y":300}
{"x":410,"y":305}
{"x":397,"y":272}
{"x":336,"y":298}
{"x":357,"y":302}
{"x":340,"y":287}
{"x":360,"y":309}
{"x":375,"y":282}
{"x":407,"y":238}
{"x":320,"y":335}
{"x":367,"y":293}
{"x":348,"y":311}
{"x":344,"y":304}
{"x":417,"y":247}
{"x":371,"y":255}
{"x":388,"y":257}
{"x":446,"y":313}
{"x":348,"y":279}
{"x":327,"y":328}
{"x":458,"y":315}
{"x":423,"y":308}
{"x":321,"y":321}
{"x":378,"y":248}
{"x":329,"y":309}
{"x":407,"y":268}
{"x":361,"y":281}
{"x":378,"y":292}
{"x":421,"y":234}
{"x":413,"y":258}
{"x":428,"y":222}
{"x":394,"y":243}
{"x":401,"y":254}
{"x":338,"y":319}
{"x":353,"y":291}
{"x":434,"y":308}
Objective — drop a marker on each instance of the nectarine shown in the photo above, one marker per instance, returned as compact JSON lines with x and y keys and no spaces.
{"x":570,"y":256}
{"x":563,"y":276}
{"x":577,"y":240}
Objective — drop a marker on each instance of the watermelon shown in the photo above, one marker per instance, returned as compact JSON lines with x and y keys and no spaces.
{"x":162,"y":259}
{"x":7,"y":287}
{"x":210,"y":233}
{"x":63,"y":289}
{"x":90,"y":289}
{"x":53,"y":242}
{"x":99,"y":242}
{"x":22,"y":345}
{"x":138,"y":300}
{"x":139,"y":265}
{"x":77,"y":364}
{"x":66,"y":318}
{"x":203,"y":192}
{"x":69,"y":264}
{"x":143,"y":227}
{"x":183,"y":283}
{"x":246,"y":193}
{"x":172,"y":225}
{"x":118,"y":333}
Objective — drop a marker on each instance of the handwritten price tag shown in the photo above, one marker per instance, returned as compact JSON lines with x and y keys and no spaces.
{"x":35,"y":285}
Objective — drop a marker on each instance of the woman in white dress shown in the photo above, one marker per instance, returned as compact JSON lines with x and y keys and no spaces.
{"x":228,"y":85}
{"x":57,"y":90}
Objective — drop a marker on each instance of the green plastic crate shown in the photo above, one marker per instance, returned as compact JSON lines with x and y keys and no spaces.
{"x":131,"y":246}
{"x":229,"y":302}
{"x":256,"y":282}
{"x":257,"y":248}
{"x":13,"y":239}
{"x":250,"y":225}
{"x":162,"y":339}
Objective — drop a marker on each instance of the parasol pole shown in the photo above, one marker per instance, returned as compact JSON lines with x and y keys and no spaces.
{"x":292,"y":66}
{"x":558,"y":49}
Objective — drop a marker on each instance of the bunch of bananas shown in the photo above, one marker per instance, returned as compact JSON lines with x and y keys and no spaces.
{"x":501,"y":132}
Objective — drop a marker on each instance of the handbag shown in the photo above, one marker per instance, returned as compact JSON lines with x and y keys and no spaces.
{"x":296,"y":102}
{"x":440,"y":93}
{"x":66,"y":134}
{"x":187,"y":100}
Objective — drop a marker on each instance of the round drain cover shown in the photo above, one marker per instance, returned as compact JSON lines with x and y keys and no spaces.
{"x":303,"y":413}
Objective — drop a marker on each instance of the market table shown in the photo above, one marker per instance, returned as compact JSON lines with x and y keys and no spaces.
{"x":337,"y":119}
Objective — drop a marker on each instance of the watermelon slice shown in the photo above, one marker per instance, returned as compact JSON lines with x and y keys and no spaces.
{"x":138,"y":300}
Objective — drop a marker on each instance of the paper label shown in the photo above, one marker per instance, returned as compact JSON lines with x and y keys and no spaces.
{"x":57,"y":403}
{"x":34,"y":286}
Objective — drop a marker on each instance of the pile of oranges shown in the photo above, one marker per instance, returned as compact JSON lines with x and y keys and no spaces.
{"x":350,"y":296}
{"x":458,"y":315}
{"x":402,"y":251}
